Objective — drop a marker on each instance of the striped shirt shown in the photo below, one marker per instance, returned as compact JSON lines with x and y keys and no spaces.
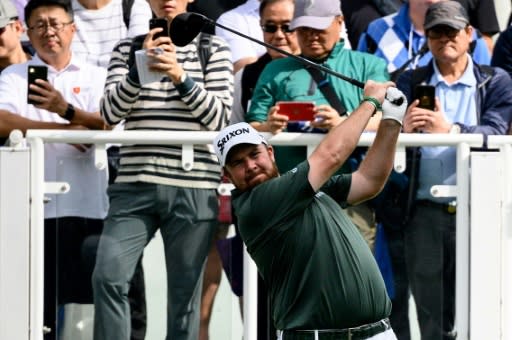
{"x":201,"y":103}
{"x":99,"y":30}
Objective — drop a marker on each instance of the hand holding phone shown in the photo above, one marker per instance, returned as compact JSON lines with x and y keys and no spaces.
{"x":35,"y":72}
{"x":426,"y":94}
{"x":159,"y":23}
{"x":297,"y":110}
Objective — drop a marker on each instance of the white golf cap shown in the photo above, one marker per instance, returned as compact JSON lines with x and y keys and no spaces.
{"x":232,"y":135}
{"x":317,"y":14}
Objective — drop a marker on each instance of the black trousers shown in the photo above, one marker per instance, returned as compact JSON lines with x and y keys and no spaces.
{"x":429,"y":243}
{"x":70,"y":245}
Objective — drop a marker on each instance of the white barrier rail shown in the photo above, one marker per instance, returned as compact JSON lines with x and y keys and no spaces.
{"x":37,"y":138}
{"x":504,"y":144}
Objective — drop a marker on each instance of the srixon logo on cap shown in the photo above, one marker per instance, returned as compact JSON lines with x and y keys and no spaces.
{"x":230,"y":135}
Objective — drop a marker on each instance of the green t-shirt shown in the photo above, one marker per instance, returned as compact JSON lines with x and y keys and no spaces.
{"x":319,"y":270}
{"x":286,"y":79}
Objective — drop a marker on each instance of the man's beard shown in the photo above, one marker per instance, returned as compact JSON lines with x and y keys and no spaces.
{"x":273,"y":173}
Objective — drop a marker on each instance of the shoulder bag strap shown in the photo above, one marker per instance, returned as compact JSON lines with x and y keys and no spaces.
{"x":327,"y":90}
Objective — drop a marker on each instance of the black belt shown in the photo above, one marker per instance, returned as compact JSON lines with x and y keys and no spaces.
{"x":450,"y":208}
{"x":355,"y":333}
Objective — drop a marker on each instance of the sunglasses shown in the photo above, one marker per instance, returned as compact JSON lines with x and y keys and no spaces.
{"x":271,"y":28}
{"x":438,"y":31}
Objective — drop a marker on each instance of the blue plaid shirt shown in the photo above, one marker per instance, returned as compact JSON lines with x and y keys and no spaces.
{"x":397,"y":42}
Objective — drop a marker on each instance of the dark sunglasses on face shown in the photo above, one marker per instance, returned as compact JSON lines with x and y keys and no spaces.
{"x":437,"y":32}
{"x":271,"y":28}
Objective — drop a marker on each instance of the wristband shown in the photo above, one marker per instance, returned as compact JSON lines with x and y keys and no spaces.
{"x":69,"y":114}
{"x":374,"y":102}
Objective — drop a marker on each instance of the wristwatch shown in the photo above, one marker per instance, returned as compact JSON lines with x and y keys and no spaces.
{"x":455,"y":129}
{"x":69,"y":113}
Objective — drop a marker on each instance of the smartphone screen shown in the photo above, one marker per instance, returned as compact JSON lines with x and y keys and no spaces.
{"x":426,"y":95}
{"x":162,"y":23}
{"x":35,"y":72}
{"x":297,"y":111}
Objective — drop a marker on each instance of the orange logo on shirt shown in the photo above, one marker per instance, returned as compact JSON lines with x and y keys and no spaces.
{"x":76,"y":90}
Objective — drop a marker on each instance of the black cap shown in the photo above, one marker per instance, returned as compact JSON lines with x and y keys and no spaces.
{"x":449,"y":13}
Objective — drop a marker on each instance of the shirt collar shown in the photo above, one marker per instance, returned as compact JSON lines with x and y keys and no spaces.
{"x":74,"y":63}
{"x":467,"y":78}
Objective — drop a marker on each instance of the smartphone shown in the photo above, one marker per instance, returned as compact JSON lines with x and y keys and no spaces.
{"x":297,"y":111}
{"x":162,"y":23}
{"x":427,"y":96}
{"x":35,"y":72}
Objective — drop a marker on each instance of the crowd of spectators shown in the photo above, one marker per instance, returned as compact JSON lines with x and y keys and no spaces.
{"x":93,"y":81}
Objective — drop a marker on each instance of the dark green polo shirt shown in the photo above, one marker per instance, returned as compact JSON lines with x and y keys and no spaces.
{"x":319,"y":270}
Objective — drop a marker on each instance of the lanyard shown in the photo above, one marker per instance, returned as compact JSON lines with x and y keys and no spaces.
{"x":412,"y":52}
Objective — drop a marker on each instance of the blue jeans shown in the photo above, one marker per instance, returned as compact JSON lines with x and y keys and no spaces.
{"x":187,"y":219}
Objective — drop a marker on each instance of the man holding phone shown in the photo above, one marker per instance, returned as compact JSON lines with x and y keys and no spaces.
{"x":469,"y":98}
{"x":67,"y":98}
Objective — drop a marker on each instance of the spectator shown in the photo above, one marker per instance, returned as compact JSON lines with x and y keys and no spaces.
{"x":245,"y":19}
{"x":323,"y":280}
{"x":502,"y":56}
{"x":11,"y":30}
{"x":152,"y":190}
{"x":470,"y":98}
{"x":358,"y":14}
{"x":482,"y":16}
{"x":68,"y":100}
{"x":101,"y":24}
{"x":275,"y":19}
{"x":286,"y":79}
{"x":400,"y":38}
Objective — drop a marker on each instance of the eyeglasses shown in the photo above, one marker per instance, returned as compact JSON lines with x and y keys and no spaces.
{"x":438,"y":31}
{"x":42,"y":27}
{"x":271,"y":28}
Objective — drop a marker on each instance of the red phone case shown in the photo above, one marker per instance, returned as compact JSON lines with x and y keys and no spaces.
{"x":297,"y":111}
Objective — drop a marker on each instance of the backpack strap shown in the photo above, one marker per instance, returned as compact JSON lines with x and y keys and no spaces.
{"x":136,"y":45}
{"x":204,"y":49}
{"x":325,"y":86}
{"x":250,"y":75}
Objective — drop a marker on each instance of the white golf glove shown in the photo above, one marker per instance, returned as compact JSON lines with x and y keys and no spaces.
{"x":394,"y":105}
